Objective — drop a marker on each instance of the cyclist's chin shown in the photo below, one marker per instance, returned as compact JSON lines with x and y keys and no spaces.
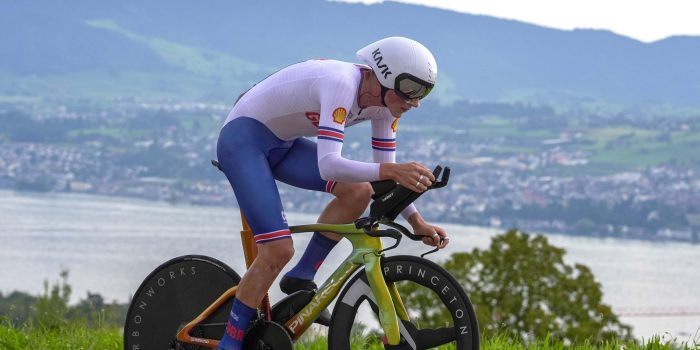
{"x":397,"y":113}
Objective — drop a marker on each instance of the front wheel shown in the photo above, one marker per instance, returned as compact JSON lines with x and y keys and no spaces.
{"x":173,"y":295}
{"x":440,"y":311}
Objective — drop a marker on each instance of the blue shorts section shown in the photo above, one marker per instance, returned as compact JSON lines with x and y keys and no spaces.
{"x":252,"y":158}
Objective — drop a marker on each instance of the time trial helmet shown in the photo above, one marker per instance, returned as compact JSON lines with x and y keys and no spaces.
{"x":402,"y":64}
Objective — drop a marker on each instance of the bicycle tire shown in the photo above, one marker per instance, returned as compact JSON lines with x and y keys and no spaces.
{"x":174,"y":294}
{"x":411,"y":270}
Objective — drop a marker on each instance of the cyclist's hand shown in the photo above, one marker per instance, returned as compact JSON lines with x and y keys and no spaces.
{"x":432,"y":235}
{"x":414,"y":176}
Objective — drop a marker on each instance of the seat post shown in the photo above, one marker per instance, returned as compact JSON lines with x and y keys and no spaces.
{"x":249,"y":248}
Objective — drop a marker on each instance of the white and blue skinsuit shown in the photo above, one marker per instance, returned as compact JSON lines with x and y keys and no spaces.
{"x":263,"y":139}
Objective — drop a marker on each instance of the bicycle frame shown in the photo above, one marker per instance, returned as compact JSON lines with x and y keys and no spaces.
{"x":366,"y":252}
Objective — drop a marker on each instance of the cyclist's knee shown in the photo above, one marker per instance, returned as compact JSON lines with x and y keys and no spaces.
{"x":359,"y":192}
{"x":276,"y":254}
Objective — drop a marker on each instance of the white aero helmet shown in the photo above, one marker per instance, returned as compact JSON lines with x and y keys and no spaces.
{"x":402,"y":64}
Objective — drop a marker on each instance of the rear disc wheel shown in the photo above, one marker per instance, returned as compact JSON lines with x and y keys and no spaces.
{"x":173,"y":295}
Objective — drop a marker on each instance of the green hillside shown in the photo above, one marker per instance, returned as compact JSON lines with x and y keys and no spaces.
{"x":199,"y":61}
{"x":230,"y":45}
{"x":191,"y":73}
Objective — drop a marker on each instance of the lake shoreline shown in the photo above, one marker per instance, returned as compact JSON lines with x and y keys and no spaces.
{"x":235,"y":207}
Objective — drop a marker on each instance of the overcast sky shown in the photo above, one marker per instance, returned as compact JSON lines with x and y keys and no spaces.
{"x":644,"y":20}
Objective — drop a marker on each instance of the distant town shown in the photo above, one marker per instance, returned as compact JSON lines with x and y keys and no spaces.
{"x":598,"y":176}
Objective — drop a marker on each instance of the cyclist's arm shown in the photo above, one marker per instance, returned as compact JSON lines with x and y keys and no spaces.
{"x":384,"y":148}
{"x":336,"y":96}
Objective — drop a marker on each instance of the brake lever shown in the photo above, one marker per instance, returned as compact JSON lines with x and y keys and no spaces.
{"x":411,"y":236}
{"x":432,"y":251}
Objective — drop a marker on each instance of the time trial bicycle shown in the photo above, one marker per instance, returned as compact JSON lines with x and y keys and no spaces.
{"x":184,"y":303}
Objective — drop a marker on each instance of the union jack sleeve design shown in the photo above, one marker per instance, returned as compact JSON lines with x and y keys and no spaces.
{"x":327,"y":133}
{"x":388,"y":145}
{"x":271,"y":236}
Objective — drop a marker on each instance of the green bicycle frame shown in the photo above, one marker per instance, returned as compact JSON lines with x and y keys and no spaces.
{"x":366,"y":251}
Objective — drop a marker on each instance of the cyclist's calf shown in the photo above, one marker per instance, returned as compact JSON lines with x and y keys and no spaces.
{"x":272,"y":257}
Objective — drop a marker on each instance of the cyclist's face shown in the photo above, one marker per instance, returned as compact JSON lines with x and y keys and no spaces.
{"x":397,"y":105}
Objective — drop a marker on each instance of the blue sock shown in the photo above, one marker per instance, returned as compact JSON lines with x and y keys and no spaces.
{"x":313,"y":257}
{"x":238,"y":322}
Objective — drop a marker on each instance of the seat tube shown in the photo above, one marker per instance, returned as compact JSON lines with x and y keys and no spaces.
{"x":250,"y":251}
{"x":387,"y":312}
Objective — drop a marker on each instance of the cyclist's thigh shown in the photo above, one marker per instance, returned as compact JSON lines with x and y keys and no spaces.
{"x":299,"y":168}
{"x":242,"y":152}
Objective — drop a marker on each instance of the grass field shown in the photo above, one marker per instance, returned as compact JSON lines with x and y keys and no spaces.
{"x":609,"y":149}
{"x":69,"y":337}
{"x":630,"y":147}
{"x":495,"y":127}
{"x":76,"y":336}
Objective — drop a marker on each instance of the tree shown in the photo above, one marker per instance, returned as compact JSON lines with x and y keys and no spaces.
{"x":16,"y":307}
{"x":51,"y":310}
{"x":521,"y":285}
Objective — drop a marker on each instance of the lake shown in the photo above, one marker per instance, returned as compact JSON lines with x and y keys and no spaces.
{"x":110,"y":244}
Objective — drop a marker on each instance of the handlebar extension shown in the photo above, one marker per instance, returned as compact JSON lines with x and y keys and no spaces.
{"x":391,"y":198}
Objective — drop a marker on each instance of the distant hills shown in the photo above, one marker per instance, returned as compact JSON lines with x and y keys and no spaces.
{"x":214,"y":49}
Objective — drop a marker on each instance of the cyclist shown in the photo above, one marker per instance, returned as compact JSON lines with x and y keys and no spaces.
{"x":263,"y":140}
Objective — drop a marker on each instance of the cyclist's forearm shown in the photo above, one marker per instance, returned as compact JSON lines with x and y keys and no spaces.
{"x":409,"y":211}
{"x":415,"y":219}
{"x":388,"y":171}
{"x":333,"y":166}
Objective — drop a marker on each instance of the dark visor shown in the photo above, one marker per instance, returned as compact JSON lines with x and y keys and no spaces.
{"x":409,"y":87}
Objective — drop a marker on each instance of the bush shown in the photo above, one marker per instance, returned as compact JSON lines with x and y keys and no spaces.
{"x":51,"y":311}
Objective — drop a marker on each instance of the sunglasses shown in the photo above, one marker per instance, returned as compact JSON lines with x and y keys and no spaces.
{"x":409,"y":87}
